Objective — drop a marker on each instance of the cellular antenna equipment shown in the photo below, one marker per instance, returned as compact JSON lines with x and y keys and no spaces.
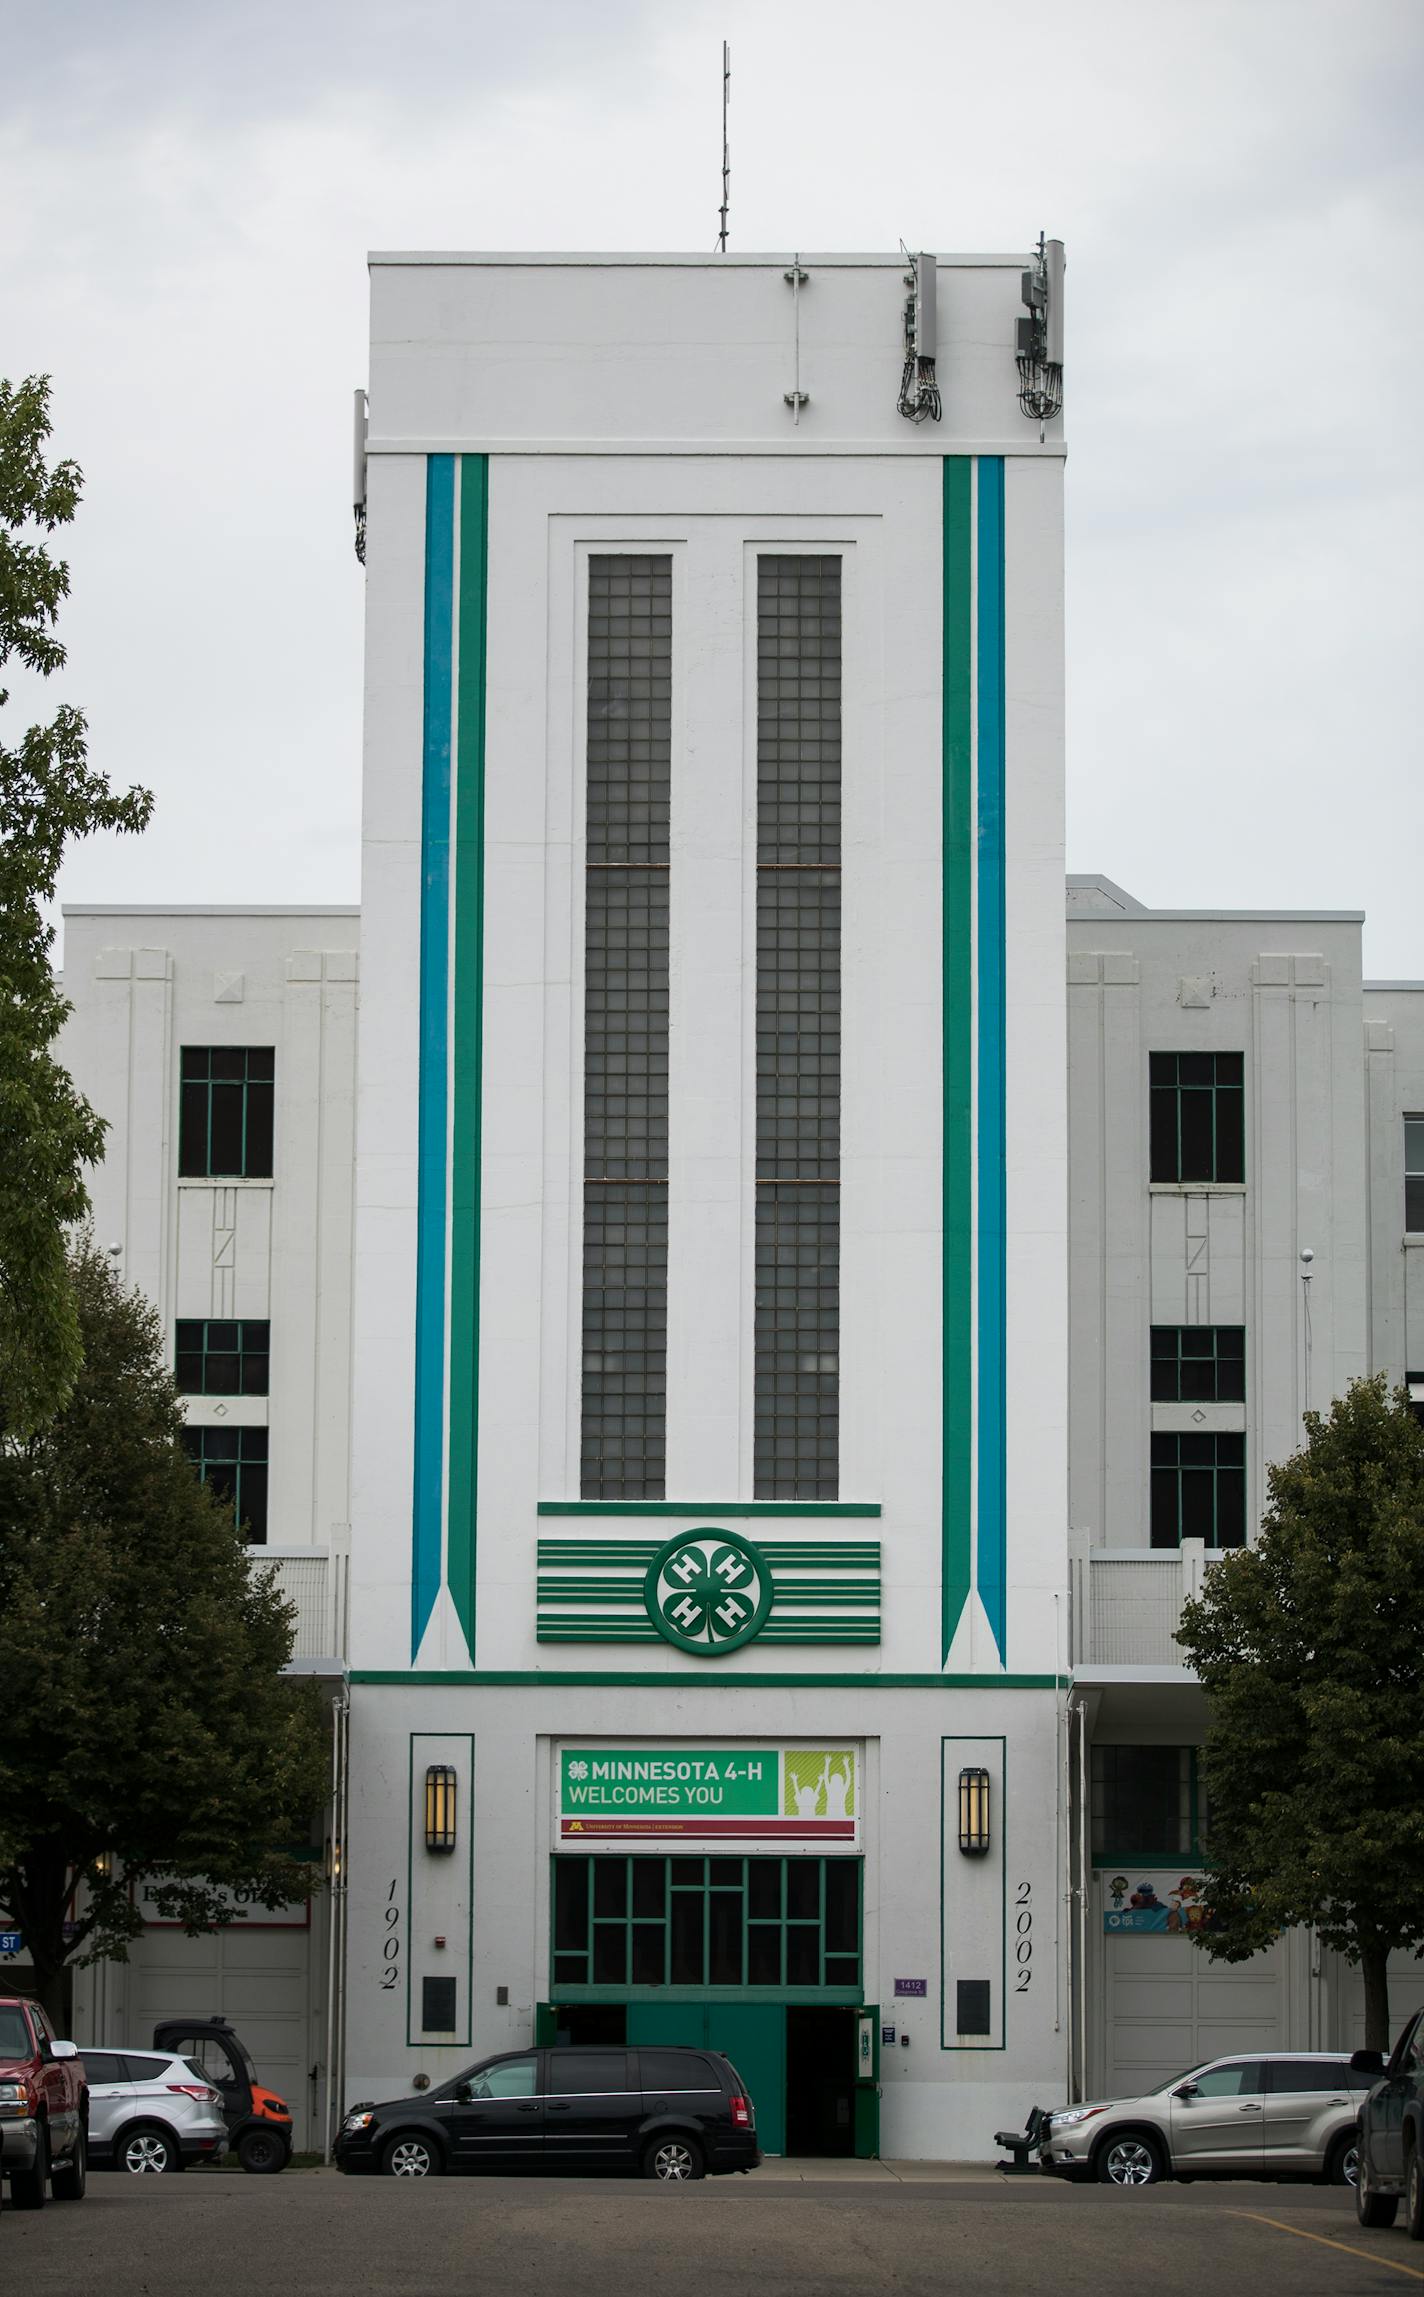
{"x":726,"y":156}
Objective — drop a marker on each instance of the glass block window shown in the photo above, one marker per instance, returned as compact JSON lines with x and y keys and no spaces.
{"x":1143,"y":1801}
{"x":222,"y":1359}
{"x":706,"y":1922}
{"x":1198,"y":1364}
{"x":1199,"y":1489}
{"x":233,"y":1463}
{"x":1198,"y":1124}
{"x":798,"y":1022}
{"x":225,"y":1111}
{"x":1414,"y":1174}
{"x":624,"y":1336}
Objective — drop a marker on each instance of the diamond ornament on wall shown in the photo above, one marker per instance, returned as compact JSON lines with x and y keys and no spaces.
{"x":708,"y":1591}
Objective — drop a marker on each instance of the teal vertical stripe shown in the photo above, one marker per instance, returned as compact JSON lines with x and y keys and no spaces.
{"x":434,"y":1042}
{"x":468,"y":1042}
{"x":957,"y":765}
{"x":992,"y":1519}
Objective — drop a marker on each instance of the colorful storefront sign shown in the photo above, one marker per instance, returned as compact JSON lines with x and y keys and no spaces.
{"x":716,"y":1794}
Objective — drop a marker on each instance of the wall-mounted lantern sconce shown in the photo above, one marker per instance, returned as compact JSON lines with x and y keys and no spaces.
{"x":104,"y":1865}
{"x":440,"y":1807}
{"x":974,"y":1813}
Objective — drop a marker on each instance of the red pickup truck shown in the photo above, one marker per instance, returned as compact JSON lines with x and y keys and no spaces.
{"x":44,"y":2108}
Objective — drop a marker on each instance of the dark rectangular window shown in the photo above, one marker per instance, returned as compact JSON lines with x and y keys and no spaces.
{"x":1198,"y":1128}
{"x":626,"y":1029}
{"x":233,"y":1464}
{"x":798,"y":1029}
{"x":215,"y":1358}
{"x":437,"y":2005}
{"x":706,"y":1921}
{"x":973,"y":2010}
{"x":225,"y":1111}
{"x":1199,"y":1489}
{"x":1198,"y":1364}
{"x":1142,"y":1801}
{"x":1414,"y":1174}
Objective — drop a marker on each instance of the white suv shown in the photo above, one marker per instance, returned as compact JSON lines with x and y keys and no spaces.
{"x":151,"y":2111}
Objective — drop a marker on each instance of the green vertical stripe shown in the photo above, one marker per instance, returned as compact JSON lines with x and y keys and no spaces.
{"x":467,"y":1040}
{"x":958,"y":772}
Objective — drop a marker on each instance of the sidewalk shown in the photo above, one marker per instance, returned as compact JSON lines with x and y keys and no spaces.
{"x":809,"y":2170}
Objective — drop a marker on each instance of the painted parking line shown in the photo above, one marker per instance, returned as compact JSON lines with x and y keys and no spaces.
{"x":1371,"y":2256}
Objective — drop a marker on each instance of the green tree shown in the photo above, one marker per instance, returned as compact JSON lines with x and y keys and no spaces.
{"x":49,"y":796}
{"x":1310,"y":1647}
{"x":149,"y":1725}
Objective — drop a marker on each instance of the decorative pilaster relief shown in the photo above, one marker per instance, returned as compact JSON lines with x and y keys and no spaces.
{"x":224,"y":1250}
{"x":1286,"y":969}
{"x":1107,"y":968}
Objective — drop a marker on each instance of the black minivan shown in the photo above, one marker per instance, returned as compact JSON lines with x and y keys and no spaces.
{"x":668,"y":2113}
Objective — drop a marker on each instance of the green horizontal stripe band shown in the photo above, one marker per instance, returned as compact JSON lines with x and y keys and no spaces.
{"x":596,"y":1678}
{"x":783,"y":1555}
{"x":713,"y":1507}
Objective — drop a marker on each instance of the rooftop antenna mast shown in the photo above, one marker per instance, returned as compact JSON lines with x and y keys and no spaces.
{"x":726,"y":157}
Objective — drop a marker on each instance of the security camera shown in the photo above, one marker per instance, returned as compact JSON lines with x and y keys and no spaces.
{"x":1306,"y":1256}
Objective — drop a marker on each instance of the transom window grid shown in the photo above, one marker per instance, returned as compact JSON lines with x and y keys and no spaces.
{"x":214,"y":1358}
{"x":1414,"y":1174}
{"x":1198,"y":1364}
{"x":225,"y":1111}
{"x":232,"y":1462}
{"x":706,"y":1921}
{"x":1197,"y":1116}
{"x":1146,"y":1802}
{"x":798,"y":1022}
{"x":1199,"y":1489}
{"x":629,"y":752}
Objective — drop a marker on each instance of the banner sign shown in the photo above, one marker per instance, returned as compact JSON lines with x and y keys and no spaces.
{"x":1139,"y":1906}
{"x":719,"y":1794}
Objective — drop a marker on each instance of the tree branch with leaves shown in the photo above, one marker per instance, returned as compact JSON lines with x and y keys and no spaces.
{"x":153,"y":1738}
{"x":1310,"y":1647}
{"x":49,"y":796}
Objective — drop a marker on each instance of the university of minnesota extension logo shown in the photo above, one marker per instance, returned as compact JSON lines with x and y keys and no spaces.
{"x":708,"y":1591}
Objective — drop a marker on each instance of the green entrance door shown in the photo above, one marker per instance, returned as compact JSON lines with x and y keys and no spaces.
{"x":751,"y":2034}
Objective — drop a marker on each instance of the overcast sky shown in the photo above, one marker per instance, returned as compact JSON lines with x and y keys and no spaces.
{"x":187,"y":194}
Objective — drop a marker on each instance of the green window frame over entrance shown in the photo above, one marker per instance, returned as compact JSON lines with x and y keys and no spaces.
{"x":226,"y":1097}
{"x":1197,"y":1103}
{"x":635,"y":1923}
{"x":233,"y":1463}
{"x":1198,"y":1364}
{"x":222,"y":1357}
{"x":1199,"y":1489}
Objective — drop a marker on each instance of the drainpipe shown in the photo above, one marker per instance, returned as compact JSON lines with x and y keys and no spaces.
{"x":336,"y":1926}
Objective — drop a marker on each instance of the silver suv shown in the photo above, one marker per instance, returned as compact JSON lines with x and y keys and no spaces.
{"x":1291,"y":2115}
{"x":150,"y":2111}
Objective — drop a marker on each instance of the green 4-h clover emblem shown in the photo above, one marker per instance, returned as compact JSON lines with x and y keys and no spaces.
{"x":708,"y":1591}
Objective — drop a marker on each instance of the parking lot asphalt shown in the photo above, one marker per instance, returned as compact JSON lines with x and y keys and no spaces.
{"x":315,"y":2234}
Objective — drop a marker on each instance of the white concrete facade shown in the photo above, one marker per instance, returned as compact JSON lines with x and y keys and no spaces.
{"x":1332,"y":1066}
{"x":144,"y":984}
{"x":645,"y":412}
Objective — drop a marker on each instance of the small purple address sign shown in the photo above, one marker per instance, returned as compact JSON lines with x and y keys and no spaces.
{"x":912,"y":1985}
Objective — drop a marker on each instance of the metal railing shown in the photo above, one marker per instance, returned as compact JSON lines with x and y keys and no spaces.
{"x":317,"y":1582}
{"x":1125,"y":1603}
